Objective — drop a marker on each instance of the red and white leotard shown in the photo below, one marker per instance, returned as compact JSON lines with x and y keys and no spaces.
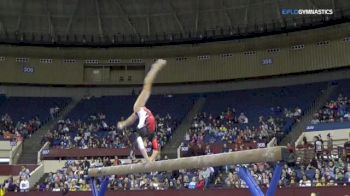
{"x":146,"y":119}
{"x":147,"y":123}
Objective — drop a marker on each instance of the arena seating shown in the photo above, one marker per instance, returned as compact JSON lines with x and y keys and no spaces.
{"x":102,"y":113}
{"x":2,"y":99}
{"x":27,"y":108}
{"x":276,"y":108}
{"x":21,"y":116}
{"x":274,"y":102}
{"x":317,"y":173}
{"x":260,"y":102}
{"x":115,"y":107}
{"x":337,"y":109}
{"x":97,"y":134}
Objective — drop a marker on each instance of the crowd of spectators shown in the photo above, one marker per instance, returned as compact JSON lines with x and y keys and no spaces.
{"x":297,"y":172}
{"x":295,"y":114}
{"x":19,"y":183}
{"x":230,"y":127}
{"x":97,"y":133}
{"x":234,"y":127}
{"x":334,"y":111}
{"x":17,"y":131}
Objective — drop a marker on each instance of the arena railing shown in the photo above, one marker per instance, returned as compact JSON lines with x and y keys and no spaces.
{"x":15,"y":153}
{"x":40,"y":152}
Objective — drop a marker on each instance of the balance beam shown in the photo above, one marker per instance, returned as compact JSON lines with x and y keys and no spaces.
{"x":271,"y":154}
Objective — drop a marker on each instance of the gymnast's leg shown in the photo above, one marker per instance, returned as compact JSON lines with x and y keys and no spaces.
{"x":147,"y":84}
{"x":155,"y":148}
{"x":141,"y":102}
{"x":145,"y":93}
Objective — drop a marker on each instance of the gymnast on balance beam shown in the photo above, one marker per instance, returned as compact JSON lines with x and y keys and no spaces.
{"x":147,"y":123}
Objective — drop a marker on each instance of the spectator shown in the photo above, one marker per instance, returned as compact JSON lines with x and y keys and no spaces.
{"x":347,"y":173}
{"x":2,"y":191}
{"x":321,"y":182}
{"x":24,"y":184}
{"x":56,"y":188}
{"x":11,"y":185}
{"x":339,"y":175}
{"x":201,"y":184}
{"x":52,"y":113}
{"x":318,"y":145}
{"x":193,"y":183}
{"x":24,"y":173}
{"x":305,"y":142}
{"x":208,"y":150}
{"x":42,"y":186}
{"x":206,"y":175}
{"x":65,"y":189}
{"x":86,"y":164}
{"x":243,"y":118}
{"x":84,"y":186}
{"x":116,"y":161}
{"x":329,"y":144}
{"x":347,"y":149}
{"x":304,"y":182}
{"x":291,"y":158}
{"x":187,"y":137}
{"x":186,"y":181}
{"x":219,"y":180}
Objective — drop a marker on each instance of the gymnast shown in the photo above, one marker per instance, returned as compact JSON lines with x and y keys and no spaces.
{"x":147,"y":125}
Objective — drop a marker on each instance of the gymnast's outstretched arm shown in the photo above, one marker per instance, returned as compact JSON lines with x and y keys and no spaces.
{"x":128,"y":122}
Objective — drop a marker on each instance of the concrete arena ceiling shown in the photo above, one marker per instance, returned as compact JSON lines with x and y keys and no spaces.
{"x":108,"y":18}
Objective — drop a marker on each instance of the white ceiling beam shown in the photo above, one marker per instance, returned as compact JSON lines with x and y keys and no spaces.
{"x":279,"y":15}
{"x":246,"y":14}
{"x":197,"y":17}
{"x":49,"y":19}
{"x":229,"y":20}
{"x":99,"y":21}
{"x":20,"y":15}
{"x":312,"y":4}
{"x":148,"y":26}
{"x":176,"y":18}
{"x":126,"y":17}
{"x":2,"y":28}
{"x":69,"y":25}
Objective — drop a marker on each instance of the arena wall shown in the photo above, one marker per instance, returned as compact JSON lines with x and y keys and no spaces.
{"x":339,"y":136}
{"x":53,"y":165}
{"x":201,"y":68}
{"x":8,"y":152}
{"x":49,"y":91}
{"x":256,"y":57}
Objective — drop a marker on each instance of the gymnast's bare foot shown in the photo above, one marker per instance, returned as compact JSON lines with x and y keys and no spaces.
{"x":155,"y":155}
{"x":159,"y":64}
{"x":143,"y":161}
